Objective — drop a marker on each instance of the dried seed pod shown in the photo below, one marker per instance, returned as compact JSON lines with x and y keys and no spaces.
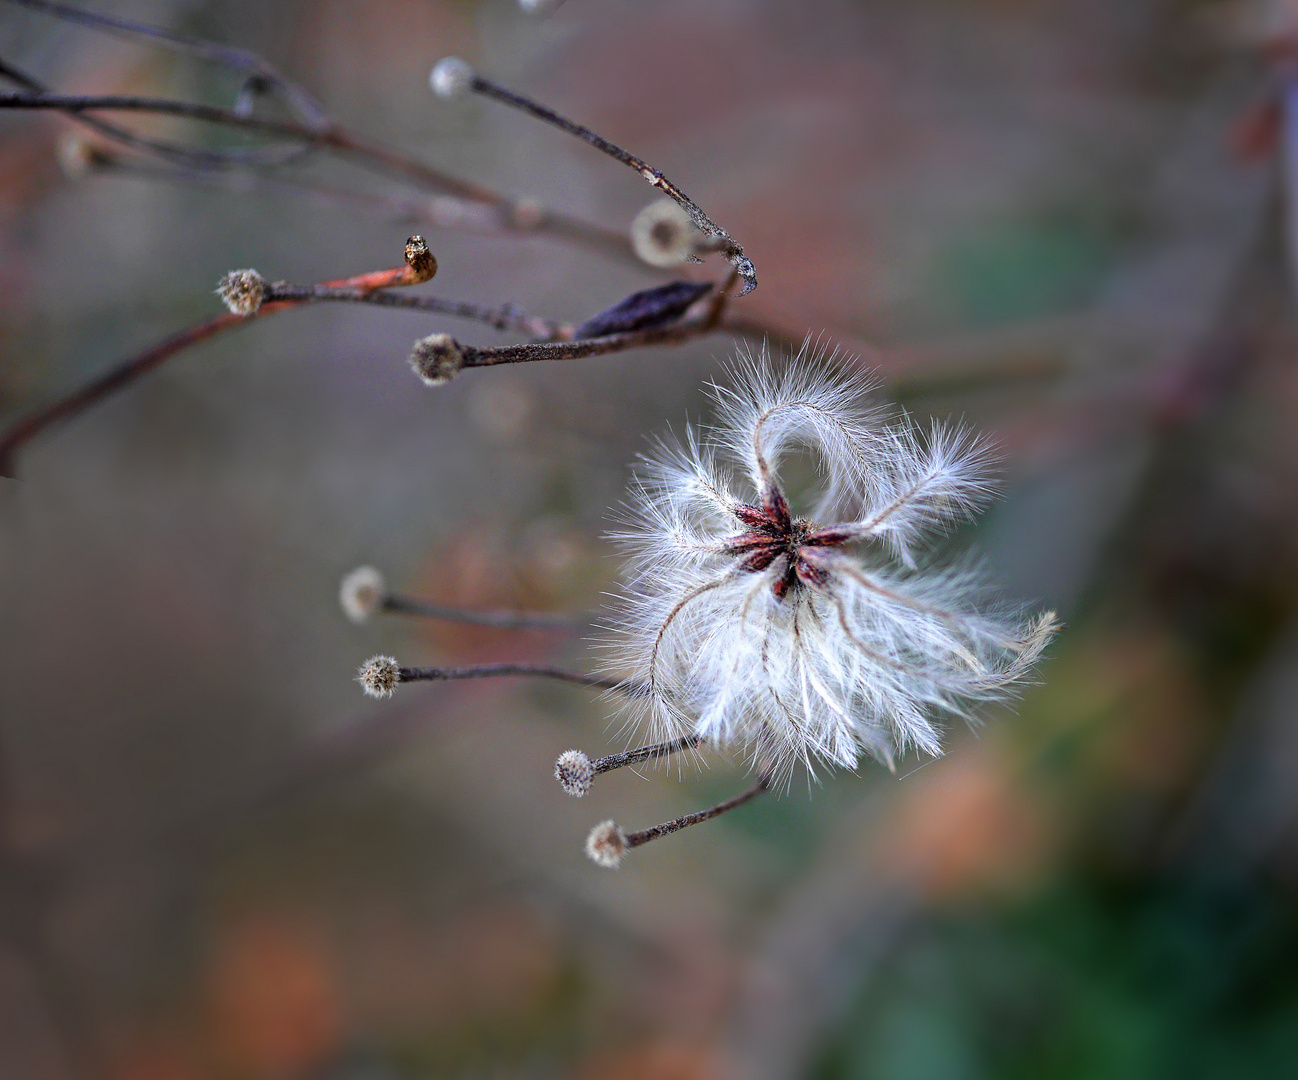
{"x":644,"y":310}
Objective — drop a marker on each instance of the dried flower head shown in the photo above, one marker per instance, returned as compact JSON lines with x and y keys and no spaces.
{"x":574,"y":772}
{"x":436,"y":359}
{"x":379,"y":676}
{"x":606,"y":844}
{"x":662,"y":234}
{"x":798,"y":639}
{"x":451,"y":77}
{"x":242,"y":291}
{"x":361,"y":593}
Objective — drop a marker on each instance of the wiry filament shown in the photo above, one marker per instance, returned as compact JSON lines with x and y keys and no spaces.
{"x":694,"y":594}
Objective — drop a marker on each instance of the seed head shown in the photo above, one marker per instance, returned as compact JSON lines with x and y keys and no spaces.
{"x":451,"y":77}
{"x":797,"y":639}
{"x":606,"y":844}
{"x":379,"y":676}
{"x":436,"y":359}
{"x":361,"y":592}
{"x":242,"y":291}
{"x":574,"y":772}
{"x":662,"y":234}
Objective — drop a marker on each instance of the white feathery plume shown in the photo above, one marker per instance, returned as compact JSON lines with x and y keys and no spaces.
{"x":802,"y":639}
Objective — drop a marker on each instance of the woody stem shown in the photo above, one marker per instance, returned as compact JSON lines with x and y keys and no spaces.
{"x":635,"y":839}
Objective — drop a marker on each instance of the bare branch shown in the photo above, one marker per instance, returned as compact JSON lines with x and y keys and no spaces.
{"x":495,"y":671}
{"x":505,"y":620}
{"x":644,"y":753}
{"x":725,"y":243}
{"x":635,"y":839}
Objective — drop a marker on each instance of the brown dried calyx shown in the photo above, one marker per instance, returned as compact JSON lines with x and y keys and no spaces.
{"x":420,"y":259}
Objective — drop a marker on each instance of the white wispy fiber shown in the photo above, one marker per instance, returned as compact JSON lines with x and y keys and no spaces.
{"x":795,"y":639}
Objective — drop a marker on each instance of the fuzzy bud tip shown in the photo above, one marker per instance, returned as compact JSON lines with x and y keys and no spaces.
{"x":436,"y":359}
{"x":361,"y":593}
{"x":574,"y":772}
{"x":242,"y":291}
{"x":451,"y":77}
{"x":606,"y":844}
{"x":379,"y":676}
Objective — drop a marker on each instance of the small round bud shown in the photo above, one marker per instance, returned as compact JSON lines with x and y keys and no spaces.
{"x":436,"y":359}
{"x":242,"y":291}
{"x":420,"y":259}
{"x":527,"y":214}
{"x":379,"y":676}
{"x":451,"y":77}
{"x":78,"y":155}
{"x":361,"y":593}
{"x":574,"y":772}
{"x":662,"y":234}
{"x":606,"y":844}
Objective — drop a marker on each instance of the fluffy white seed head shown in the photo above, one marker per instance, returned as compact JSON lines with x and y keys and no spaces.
{"x":379,"y":676}
{"x":361,"y":592}
{"x":242,"y":291}
{"x":796,"y":638}
{"x":574,"y":772}
{"x":451,"y":77}
{"x":436,"y":359}
{"x":662,"y":233}
{"x":606,"y":844}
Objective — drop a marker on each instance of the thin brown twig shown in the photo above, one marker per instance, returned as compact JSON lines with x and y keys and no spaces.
{"x":635,"y":839}
{"x":644,"y":753}
{"x":116,"y":378}
{"x":523,"y":215}
{"x":128,"y":371}
{"x":181,"y":156}
{"x":361,"y":289}
{"x":674,"y":334}
{"x":494,"y":671}
{"x":504,"y":317}
{"x":508,"y":217}
{"x":505,"y":620}
{"x":724,"y":242}
{"x":266,"y":73}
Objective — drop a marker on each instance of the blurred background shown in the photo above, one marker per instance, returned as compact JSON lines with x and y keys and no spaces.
{"x":1065,"y":222}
